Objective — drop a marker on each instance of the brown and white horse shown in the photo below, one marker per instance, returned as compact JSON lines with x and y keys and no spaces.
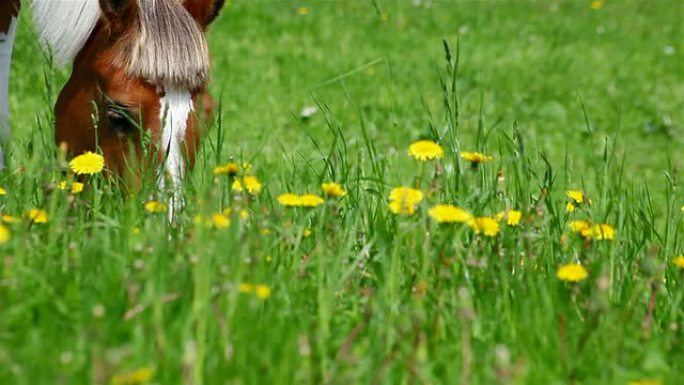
{"x":136,"y":64}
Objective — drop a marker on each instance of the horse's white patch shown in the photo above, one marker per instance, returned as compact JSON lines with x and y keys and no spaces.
{"x":6,"y":44}
{"x":176,"y":106}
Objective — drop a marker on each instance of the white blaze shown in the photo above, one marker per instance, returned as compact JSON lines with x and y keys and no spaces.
{"x":176,"y":106}
{"x":6,"y":43}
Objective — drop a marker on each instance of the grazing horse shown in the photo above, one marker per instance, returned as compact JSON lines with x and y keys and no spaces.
{"x":136,"y":64}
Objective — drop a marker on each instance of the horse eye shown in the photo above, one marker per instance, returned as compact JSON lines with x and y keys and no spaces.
{"x":119,"y":120}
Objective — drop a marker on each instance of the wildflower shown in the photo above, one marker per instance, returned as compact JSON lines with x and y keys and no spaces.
{"x":139,"y":376}
{"x":4,"y":234}
{"x":10,"y":219}
{"x":310,"y":200}
{"x":579,"y":226}
{"x":599,"y":232}
{"x":307,"y":233}
{"x":573,"y":272}
{"x":220,"y":221}
{"x":88,"y":163}
{"x":512,"y":217}
{"x":37,"y":216}
{"x":576,"y":196}
{"x":449,"y":214}
{"x":679,"y":261}
{"x":597,"y":4}
{"x":3,"y":191}
{"x":475,"y":158}
{"x":155,"y":207}
{"x":227,"y":169}
{"x":488,"y":226}
{"x":76,"y":187}
{"x":303,"y":11}
{"x":570,"y":207}
{"x":333,"y":190}
{"x":289,"y":200}
{"x":426,"y":150}
{"x":262,"y":291}
{"x":245,"y":288}
{"x":251,"y":183}
{"x":403,"y":200}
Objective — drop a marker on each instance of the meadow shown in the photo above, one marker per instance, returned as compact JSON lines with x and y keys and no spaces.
{"x":554,"y":263}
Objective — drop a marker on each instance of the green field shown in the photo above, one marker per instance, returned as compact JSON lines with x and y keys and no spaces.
{"x":562,"y":96}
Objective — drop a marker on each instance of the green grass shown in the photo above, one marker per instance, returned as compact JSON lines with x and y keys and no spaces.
{"x":562,"y":96}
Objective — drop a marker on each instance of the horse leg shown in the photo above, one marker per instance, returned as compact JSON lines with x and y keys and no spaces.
{"x":9,"y":12}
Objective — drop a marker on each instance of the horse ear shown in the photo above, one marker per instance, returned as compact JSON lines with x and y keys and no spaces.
{"x":204,"y":11}
{"x":114,"y":9}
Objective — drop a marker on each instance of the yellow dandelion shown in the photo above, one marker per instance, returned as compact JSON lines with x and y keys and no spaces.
{"x":289,"y":200}
{"x":311,"y":200}
{"x":487,"y":225}
{"x":227,"y":169}
{"x":5,"y":234}
{"x":77,"y":187}
{"x":597,"y":4}
{"x":512,"y":217}
{"x":570,"y":207}
{"x":579,"y":226}
{"x":155,"y":207}
{"x":679,"y":261}
{"x":573,"y":272}
{"x":475,"y":158}
{"x":403,"y":200}
{"x":333,"y":189}
{"x":303,"y":11}
{"x":244,"y":214}
{"x":136,"y":377}
{"x":426,"y":150}
{"x":307,"y":233}
{"x":251,"y":183}
{"x":10,"y":219}
{"x":599,"y":232}
{"x":443,"y":213}
{"x":245,"y":288}
{"x":3,"y":191}
{"x":576,"y":196}
{"x":262,"y":291}
{"x":220,"y":221}
{"x":37,"y":216}
{"x":88,"y":163}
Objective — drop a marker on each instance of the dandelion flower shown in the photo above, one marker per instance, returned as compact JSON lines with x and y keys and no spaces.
{"x":573,"y":272}
{"x":679,"y":261}
{"x":3,"y":191}
{"x":4,"y":234}
{"x":251,"y":183}
{"x":262,"y":291}
{"x":576,"y":195}
{"x":303,"y":11}
{"x":570,"y":207}
{"x":579,"y":226}
{"x":76,"y":187}
{"x":37,"y":216}
{"x":310,"y":200}
{"x":403,"y":200}
{"x":487,"y":225}
{"x":220,"y":221}
{"x":599,"y":232}
{"x":512,"y":217}
{"x":155,"y":207}
{"x":307,"y":233}
{"x":88,"y":163}
{"x":245,"y":288}
{"x":289,"y":200}
{"x":139,"y":376}
{"x":475,"y":158}
{"x":227,"y":169}
{"x":426,"y":150}
{"x":443,"y":213}
{"x":597,"y":4}
{"x":333,"y":190}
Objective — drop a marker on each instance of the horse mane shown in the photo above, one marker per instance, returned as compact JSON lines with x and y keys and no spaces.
{"x":164,"y":45}
{"x":65,"y":26}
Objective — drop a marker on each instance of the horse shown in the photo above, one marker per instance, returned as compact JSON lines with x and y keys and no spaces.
{"x":135,"y":64}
